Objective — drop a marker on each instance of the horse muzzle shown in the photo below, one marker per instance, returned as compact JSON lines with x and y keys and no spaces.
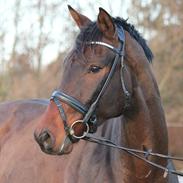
{"x":46,"y":142}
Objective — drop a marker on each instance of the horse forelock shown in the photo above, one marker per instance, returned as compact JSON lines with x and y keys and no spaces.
{"x":87,"y":34}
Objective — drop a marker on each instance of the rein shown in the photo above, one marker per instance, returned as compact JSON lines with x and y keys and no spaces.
{"x":137,"y":153}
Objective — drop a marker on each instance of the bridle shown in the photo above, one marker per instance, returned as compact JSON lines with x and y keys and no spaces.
{"x":90,"y":120}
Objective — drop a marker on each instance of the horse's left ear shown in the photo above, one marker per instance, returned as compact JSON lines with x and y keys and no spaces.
{"x":80,"y":19}
{"x":105,"y":23}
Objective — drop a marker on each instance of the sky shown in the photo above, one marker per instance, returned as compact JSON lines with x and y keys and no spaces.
{"x":54,"y":26}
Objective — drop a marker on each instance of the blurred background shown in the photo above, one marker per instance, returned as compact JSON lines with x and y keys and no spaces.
{"x":36,"y":35}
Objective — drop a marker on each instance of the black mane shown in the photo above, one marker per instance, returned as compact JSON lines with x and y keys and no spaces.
{"x":92,"y":33}
{"x":136,"y":35}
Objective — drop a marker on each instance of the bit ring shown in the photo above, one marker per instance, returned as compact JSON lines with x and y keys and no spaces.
{"x":72,"y":133}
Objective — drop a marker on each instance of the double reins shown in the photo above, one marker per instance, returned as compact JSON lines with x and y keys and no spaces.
{"x":137,"y":153}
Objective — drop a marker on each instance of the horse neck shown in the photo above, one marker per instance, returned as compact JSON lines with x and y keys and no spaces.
{"x":145,"y":126}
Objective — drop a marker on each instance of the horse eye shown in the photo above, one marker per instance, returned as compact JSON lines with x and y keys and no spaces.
{"x":94,"y":68}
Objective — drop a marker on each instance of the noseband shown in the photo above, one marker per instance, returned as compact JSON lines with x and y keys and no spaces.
{"x":90,"y":121}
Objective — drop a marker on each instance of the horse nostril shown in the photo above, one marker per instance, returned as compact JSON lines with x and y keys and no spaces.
{"x":44,"y":136}
{"x":45,"y":139}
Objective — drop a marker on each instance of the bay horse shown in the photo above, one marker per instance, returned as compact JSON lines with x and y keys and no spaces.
{"x":107,"y":81}
{"x":129,"y":112}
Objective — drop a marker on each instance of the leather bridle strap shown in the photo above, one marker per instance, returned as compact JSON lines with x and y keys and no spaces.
{"x":115,"y":62}
{"x":119,"y":55}
{"x":58,"y":96}
{"x":61,"y":111}
{"x":89,"y":114}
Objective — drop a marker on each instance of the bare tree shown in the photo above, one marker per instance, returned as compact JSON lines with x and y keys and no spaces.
{"x":16,"y":17}
{"x":163,"y":22}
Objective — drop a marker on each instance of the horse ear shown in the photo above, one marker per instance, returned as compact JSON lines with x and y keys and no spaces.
{"x":80,"y":19}
{"x":105,"y":23}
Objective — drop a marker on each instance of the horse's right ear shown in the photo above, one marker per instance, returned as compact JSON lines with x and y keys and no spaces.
{"x":80,"y":19}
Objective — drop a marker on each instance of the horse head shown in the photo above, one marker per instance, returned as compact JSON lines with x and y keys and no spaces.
{"x":97,"y":82}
